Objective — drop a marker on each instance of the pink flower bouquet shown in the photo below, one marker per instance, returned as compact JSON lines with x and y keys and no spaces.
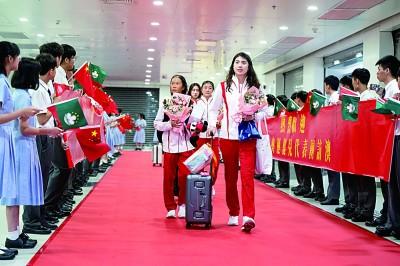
{"x":177,"y":108}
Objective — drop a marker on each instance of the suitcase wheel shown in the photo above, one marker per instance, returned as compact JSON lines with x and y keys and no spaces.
{"x":187,"y":225}
{"x":154,"y":164}
{"x":208,"y":226}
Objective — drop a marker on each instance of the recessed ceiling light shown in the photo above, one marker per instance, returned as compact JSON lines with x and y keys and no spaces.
{"x":148,"y":71}
{"x":147,"y":80}
{"x":158,"y":3}
{"x":283,"y":27}
{"x":359,"y":54}
{"x":148,"y":76}
{"x":218,"y":74}
{"x":40,"y":35}
{"x":312,"y":8}
{"x":263,"y":42}
{"x":150,"y":58}
{"x":153,"y":38}
{"x":336,"y":62}
{"x":151,"y":50}
{"x":23,"y":19}
{"x":155,"y":23}
{"x":149,"y":65}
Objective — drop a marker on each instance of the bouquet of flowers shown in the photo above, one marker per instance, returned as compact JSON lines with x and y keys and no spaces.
{"x":249,"y":104}
{"x":177,"y":108}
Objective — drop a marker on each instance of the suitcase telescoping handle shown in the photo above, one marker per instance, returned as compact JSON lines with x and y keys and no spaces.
{"x":212,"y":138}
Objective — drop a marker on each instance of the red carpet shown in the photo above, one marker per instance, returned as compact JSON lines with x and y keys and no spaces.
{"x":122,"y":223}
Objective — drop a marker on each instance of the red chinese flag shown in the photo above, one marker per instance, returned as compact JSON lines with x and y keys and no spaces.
{"x":125,"y":122}
{"x":60,"y":88}
{"x":90,"y":140}
{"x":83,"y":77}
{"x":344,"y":91}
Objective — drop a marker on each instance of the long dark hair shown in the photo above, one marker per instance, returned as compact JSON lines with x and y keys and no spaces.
{"x":191,"y":88}
{"x":7,"y":49}
{"x":183,"y":80}
{"x":252,"y":79}
{"x":27,"y":75}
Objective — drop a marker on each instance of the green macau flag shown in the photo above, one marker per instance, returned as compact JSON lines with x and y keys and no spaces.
{"x":316,"y":102}
{"x":350,"y":107}
{"x":292,"y":105}
{"x":278,"y":106}
{"x":97,"y":73}
{"x":68,"y":114}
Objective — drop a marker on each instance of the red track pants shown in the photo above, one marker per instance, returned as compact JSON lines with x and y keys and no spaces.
{"x":232,"y":152}
{"x":171,"y":162}
{"x":215,"y":148}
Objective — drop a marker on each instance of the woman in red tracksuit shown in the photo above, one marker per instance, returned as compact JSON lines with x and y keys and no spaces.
{"x":176,"y":148}
{"x":201,"y":113}
{"x":240,"y":78}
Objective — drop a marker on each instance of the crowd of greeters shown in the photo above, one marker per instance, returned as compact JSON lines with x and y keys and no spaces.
{"x":218,"y":106}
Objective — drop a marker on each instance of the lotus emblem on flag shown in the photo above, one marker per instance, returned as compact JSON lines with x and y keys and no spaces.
{"x":95,"y":74}
{"x":315,"y":104}
{"x":70,"y":118}
{"x":351,"y":108}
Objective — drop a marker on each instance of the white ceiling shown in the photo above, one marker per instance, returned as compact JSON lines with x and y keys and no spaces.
{"x":116,"y":36}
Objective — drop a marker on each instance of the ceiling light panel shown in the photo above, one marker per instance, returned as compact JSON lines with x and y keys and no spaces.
{"x":13,"y":35}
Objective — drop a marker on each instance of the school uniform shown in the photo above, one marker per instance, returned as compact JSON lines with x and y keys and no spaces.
{"x":234,"y":150}
{"x":29,"y":173}
{"x":393,"y":221}
{"x":8,"y":182}
{"x":41,"y":98}
{"x":140,"y":134}
{"x":177,"y":148}
{"x":333,"y":192}
{"x":60,"y":173}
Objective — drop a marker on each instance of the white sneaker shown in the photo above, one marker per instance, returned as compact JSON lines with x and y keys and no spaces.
{"x":181,"y":211}
{"x":233,"y":220}
{"x":171,"y":214}
{"x":213,"y":192}
{"x":248,"y":224}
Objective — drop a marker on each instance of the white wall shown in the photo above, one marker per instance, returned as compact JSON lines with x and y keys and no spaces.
{"x":377,"y":42}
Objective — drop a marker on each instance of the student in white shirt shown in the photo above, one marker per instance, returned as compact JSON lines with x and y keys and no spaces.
{"x":366,"y":187}
{"x":331,"y":86}
{"x":388,"y":68}
{"x":240,"y":78}
{"x":177,"y":148}
{"x":34,"y":216}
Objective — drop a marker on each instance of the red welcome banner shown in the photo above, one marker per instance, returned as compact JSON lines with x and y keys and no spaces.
{"x":327,"y":141}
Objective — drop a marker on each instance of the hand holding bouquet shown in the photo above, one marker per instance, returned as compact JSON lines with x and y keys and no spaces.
{"x":178,"y":110}
{"x":249,"y":104}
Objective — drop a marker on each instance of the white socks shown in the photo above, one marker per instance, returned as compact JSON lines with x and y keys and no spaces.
{"x":13,"y":235}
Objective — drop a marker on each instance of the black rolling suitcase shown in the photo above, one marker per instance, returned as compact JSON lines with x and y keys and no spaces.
{"x":198,"y":200}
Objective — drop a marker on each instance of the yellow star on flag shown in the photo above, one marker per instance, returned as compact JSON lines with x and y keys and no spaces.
{"x":94,"y":133}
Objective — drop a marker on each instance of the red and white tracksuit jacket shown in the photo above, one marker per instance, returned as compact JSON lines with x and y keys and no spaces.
{"x":201,"y":112}
{"x":233,"y":150}
{"x":177,"y":149}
